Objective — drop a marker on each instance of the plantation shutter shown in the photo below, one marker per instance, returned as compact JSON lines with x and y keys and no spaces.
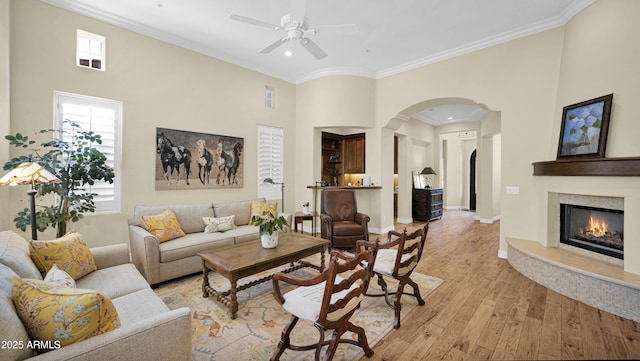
{"x":103,"y":117}
{"x":270,"y":161}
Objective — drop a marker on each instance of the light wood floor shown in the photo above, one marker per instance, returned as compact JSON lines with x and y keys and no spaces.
{"x":486,"y":310}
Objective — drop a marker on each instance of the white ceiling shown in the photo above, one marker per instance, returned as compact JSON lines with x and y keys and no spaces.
{"x":451,"y":113}
{"x":389,"y":37}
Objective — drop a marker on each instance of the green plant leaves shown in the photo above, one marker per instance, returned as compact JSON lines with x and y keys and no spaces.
{"x":75,"y":162}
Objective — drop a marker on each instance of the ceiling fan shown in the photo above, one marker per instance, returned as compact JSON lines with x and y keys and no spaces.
{"x":295,"y":25}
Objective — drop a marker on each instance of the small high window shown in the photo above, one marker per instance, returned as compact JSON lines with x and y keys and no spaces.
{"x":90,"y":50}
{"x":269,"y":98}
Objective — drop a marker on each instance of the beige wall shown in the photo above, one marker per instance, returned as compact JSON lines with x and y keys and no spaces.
{"x":489,"y":169}
{"x":160,"y":85}
{"x":338,"y":104}
{"x":611,"y":27}
{"x":496,"y":171}
{"x":5,"y":97}
{"x":517,"y":79}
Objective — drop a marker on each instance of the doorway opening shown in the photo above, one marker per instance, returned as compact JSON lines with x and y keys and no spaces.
{"x":472,"y":181}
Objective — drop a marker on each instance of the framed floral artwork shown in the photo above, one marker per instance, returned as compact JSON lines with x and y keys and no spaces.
{"x":584,"y":129}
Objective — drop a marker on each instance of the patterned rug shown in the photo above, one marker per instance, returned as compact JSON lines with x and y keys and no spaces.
{"x":260,"y":319}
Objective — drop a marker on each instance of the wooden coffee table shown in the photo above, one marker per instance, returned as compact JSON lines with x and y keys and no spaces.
{"x":249,"y":258}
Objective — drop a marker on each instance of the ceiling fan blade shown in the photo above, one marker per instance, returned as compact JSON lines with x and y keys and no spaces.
{"x":252,"y":21}
{"x":273,"y":46}
{"x":297,"y":10}
{"x":313,"y":48}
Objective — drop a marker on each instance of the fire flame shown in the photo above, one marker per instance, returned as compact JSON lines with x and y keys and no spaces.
{"x":597,"y":227}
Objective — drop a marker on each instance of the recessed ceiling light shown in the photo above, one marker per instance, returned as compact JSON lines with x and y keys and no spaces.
{"x":288,"y":53}
{"x":450,"y":118}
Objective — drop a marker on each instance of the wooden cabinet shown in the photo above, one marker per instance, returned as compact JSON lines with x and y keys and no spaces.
{"x":427,"y":204}
{"x":342,"y":154}
{"x":332,"y":166}
{"x":354,"y":153}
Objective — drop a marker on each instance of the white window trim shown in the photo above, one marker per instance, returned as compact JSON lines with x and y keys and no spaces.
{"x":269,"y":97}
{"x":103,"y":47}
{"x":102,"y":207}
{"x":269,"y":141}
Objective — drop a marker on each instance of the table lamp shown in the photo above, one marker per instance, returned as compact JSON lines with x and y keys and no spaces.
{"x":428,"y":171}
{"x":270,"y":181}
{"x":30,"y":173}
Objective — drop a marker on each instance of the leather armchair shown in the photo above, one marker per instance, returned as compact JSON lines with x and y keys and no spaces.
{"x":342,"y":224}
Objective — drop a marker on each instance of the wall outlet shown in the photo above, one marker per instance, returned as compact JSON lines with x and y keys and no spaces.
{"x":384,"y":218}
{"x":513,"y":190}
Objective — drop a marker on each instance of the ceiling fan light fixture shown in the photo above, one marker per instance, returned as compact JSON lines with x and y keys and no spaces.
{"x":296,"y":27}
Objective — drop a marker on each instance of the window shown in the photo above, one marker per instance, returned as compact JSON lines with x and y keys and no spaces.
{"x":90,"y":50}
{"x":104,"y":117}
{"x":270,"y":161}
{"x":269,"y":98}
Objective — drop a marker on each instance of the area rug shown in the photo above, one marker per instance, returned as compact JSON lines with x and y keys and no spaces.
{"x":260,"y":318}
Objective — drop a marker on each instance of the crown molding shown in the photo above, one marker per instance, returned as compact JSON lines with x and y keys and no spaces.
{"x":335,"y":71}
{"x":136,"y":27}
{"x":521,"y":32}
{"x":572,"y":10}
{"x":82,"y":9}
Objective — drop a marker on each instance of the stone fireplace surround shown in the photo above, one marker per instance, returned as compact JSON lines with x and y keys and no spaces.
{"x":603,"y":282}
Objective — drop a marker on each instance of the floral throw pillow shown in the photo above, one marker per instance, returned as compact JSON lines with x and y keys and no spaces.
{"x":264,"y":209}
{"x":219,"y":224}
{"x":164,"y":226}
{"x":62,"y":315}
{"x":59,"y":277}
{"x":69,"y":253}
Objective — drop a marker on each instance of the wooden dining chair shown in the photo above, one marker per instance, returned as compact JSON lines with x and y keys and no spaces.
{"x":397,"y":259}
{"x":328,"y":300}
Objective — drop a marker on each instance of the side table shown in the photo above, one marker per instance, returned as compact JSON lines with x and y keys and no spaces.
{"x":301,"y":217}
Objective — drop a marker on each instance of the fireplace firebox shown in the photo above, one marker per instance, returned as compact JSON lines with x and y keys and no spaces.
{"x":595,"y":229}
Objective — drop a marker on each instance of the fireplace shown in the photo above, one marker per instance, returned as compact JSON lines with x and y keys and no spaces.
{"x":595,"y":229}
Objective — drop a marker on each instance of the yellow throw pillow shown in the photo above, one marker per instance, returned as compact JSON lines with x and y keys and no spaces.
{"x":164,"y":226}
{"x":62,"y":315}
{"x":219,"y":224}
{"x":69,"y":253}
{"x":259,"y":208}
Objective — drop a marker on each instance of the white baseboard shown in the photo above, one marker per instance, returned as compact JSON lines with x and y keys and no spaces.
{"x":309,"y":229}
{"x":380,"y":230}
{"x":502,"y":254}
{"x":488,"y":220}
{"x":404,"y":220}
{"x":454,"y":208}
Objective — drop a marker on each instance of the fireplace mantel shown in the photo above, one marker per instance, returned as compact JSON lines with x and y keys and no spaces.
{"x":622,"y":167}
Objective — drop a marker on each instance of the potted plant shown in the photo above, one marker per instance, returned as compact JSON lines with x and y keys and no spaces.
{"x":305,"y":208}
{"x":78,"y":165}
{"x":269,"y":224}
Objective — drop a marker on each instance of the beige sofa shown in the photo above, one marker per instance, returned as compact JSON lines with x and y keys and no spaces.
{"x":148,"y":331}
{"x":159,"y":262}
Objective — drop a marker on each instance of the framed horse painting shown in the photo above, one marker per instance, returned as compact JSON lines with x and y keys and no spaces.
{"x":190,"y":160}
